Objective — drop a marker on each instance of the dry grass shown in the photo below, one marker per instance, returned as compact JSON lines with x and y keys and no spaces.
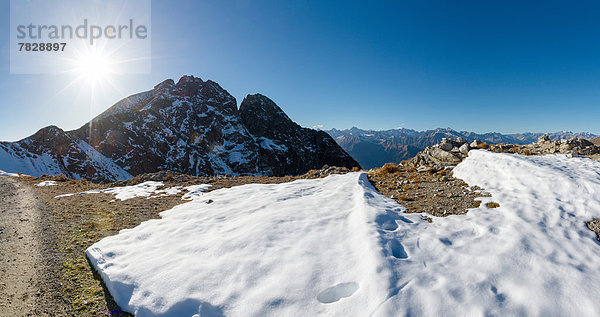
{"x":482,"y":146}
{"x":492,"y":205}
{"x":389,"y":168}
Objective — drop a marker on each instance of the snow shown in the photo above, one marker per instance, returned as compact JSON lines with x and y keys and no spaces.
{"x":336,"y":247}
{"x":145,"y":189}
{"x":103,"y":163}
{"x":18,"y":159}
{"x":269,"y":144}
{"x":255,"y":250}
{"x":46,"y":183}
{"x":195,"y":191}
{"x":532,"y":256}
{"x":3,"y":173}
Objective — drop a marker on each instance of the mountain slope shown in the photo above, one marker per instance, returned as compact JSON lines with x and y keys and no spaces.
{"x":53,"y":151}
{"x":375,"y":148}
{"x":286,"y":147}
{"x":192,"y":126}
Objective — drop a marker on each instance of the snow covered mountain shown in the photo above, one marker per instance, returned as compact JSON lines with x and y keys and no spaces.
{"x":375,"y":148}
{"x":192,"y":126}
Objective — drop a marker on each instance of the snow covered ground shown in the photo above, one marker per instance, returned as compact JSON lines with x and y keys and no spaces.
{"x":147,"y":189}
{"x":46,"y":183}
{"x":3,"y":173}
{"x":336,"y":247}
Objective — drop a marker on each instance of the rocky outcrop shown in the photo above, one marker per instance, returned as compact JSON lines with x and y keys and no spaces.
{"x":444,"y":155}
{"x":192,"y":127}
{"x":448,"y":153}
{"x":544,"y":145}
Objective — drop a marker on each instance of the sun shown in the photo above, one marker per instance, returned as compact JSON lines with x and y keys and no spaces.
{"x":94,"y":67}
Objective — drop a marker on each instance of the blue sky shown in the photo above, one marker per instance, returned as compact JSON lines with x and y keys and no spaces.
{"x":505,"y":66}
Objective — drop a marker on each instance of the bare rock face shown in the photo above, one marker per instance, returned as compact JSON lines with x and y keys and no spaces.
{"x":192,"y":127}
{"x":285,"y":148}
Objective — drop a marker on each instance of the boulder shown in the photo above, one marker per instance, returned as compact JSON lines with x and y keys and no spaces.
{"x":476,"y":143}
{"x":544,"y":138}
{"x":444,"y":156}
{"x":446,"y":146}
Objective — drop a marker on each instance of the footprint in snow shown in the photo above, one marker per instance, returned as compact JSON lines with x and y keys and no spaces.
{"x":337,"y":292}
{"x":398,"y":250}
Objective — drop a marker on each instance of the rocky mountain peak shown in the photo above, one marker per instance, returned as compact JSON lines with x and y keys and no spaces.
{"x":284,"y":145}
{"x":165,"y":84}
{"x":261,"y":116}
{"x":192,"y":126}
{"x":48,"y":132}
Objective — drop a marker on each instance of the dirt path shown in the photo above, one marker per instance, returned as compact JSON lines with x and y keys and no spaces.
{"x":26,"y":268}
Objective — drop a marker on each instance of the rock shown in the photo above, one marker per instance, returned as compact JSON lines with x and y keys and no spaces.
{"x":573,"y":154}
{"x":461,"y":140}
{"x":424,"y":168}
{"x":544,"y":138}
{"x":464,"y":149}
{"x":476,"y":143}
{"x":446,"y":146}
{"x":192,"y":127}
{"x":444,"y":156}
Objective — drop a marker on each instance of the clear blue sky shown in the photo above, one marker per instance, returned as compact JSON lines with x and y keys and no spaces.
{"x":506,"y":66}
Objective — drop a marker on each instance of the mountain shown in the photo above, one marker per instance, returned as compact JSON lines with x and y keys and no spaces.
{"x":375,"y":148}
{"x":596,"y":140}
{"x":284,"y":146}
{"x":192,"y":126}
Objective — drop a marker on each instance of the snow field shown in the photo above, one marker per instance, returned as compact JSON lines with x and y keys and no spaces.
{"x":336,"y":247}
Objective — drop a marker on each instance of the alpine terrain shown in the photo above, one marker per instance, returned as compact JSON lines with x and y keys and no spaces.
{"x":375,"y":148}
{"x":192,"y":126}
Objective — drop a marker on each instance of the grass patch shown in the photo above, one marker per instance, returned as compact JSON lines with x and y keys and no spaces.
{"x":492,"y":205}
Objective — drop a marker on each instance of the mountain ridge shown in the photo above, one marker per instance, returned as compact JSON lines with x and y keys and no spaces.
{"x":192,"y":126}
{"x":373,"y":148}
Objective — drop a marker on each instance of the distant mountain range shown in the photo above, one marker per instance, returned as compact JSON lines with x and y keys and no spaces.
{"x":375,"y":148}
{"x":192,"y":126}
